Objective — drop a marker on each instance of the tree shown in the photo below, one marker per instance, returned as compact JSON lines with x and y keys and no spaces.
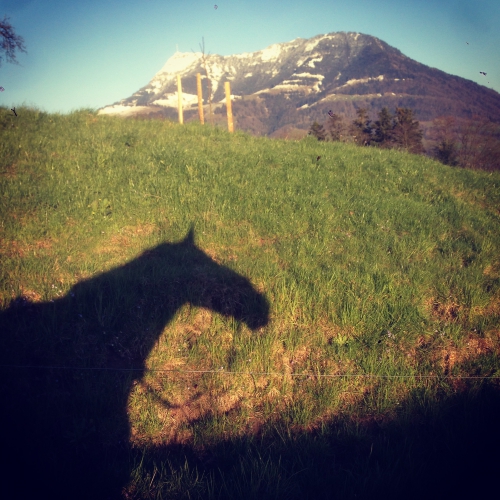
{"x":406,"y":132}
{"x":318,"y":131}
{"x":278,"y":107}
{"x":446,"y":152}
{"x":468,"y":143}
{"x":383,"y":128}
{"x":361,"y":129}
{"x":337,"y":127}
{"x":479,"y":144}
{"x":9,"y":41}
{"x":209,"y":81}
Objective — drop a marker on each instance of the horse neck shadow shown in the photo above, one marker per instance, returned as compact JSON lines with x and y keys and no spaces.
{"x":135,"y":302}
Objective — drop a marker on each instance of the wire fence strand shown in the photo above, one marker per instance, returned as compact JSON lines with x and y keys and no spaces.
{"x":229,"y":372}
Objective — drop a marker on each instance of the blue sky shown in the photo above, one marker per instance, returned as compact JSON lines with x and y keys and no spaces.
{"x":91,"y":53}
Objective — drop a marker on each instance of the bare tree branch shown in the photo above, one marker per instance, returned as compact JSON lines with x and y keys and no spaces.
{"x":10,"y":41}
{"x":204,"y":63}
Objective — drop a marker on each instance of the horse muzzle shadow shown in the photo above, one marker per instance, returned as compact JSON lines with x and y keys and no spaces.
{"x":65,"y":410}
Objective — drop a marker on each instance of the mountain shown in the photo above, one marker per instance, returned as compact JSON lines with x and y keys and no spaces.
{"x":289,"y":85}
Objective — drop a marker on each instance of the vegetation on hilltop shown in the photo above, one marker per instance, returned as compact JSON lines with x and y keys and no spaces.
{"x":473,"y":143}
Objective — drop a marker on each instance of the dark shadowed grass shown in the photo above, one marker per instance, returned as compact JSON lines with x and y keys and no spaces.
{"x":307,"y":332}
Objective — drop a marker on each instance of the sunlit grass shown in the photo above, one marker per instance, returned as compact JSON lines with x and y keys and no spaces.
{"x":374,"y":262}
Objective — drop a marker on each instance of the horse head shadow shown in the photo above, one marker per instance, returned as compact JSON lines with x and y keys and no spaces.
{"x":64,"y":422}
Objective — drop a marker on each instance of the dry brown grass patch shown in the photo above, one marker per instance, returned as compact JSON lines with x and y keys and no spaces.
{"x":492,"y":270}
{"x":16,"y":248}
{"x":31,"y":295}
{"x":126,"y":238}
{"x":174,"y":398}
{"x":300,"y":355}
{"x":491,"y":309}
{"x":10,"y":171}
{"x":416,"y":352}
{"x":202,"y":321}
{"x":184,"y":399}
{"x":139,"y":230}
{"x":471,"y":348}
{"x":114,"y":245}
{"x":44,"y":244}
{"x":332,"y":333}
{"x":13,"y":248}
{"x":447,"y":311}
{"x":71,"y":222}
{"x":261,"y":242}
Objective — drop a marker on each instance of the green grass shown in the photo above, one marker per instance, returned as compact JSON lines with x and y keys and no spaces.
{"x":373,"y":262}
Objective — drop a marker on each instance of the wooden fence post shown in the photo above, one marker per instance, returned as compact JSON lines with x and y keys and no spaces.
{"x":200,"y":98}
{"x":179,"y":95}
{"x":230,"y":124}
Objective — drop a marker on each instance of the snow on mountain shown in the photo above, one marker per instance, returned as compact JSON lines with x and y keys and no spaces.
{"x":180,"y":62}
{"x":249,"y":73}
{"x":297,"y":82}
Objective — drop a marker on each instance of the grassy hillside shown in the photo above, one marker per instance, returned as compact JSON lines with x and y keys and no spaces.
{"x":328,"y":329}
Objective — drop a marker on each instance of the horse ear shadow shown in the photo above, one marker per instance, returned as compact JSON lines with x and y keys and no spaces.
{"x":189,"y":239}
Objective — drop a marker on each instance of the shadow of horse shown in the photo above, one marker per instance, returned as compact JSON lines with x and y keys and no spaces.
{"x":66,"y":430}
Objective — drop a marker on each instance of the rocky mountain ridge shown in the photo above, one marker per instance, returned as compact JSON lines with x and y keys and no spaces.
{"x":289,"y":85}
